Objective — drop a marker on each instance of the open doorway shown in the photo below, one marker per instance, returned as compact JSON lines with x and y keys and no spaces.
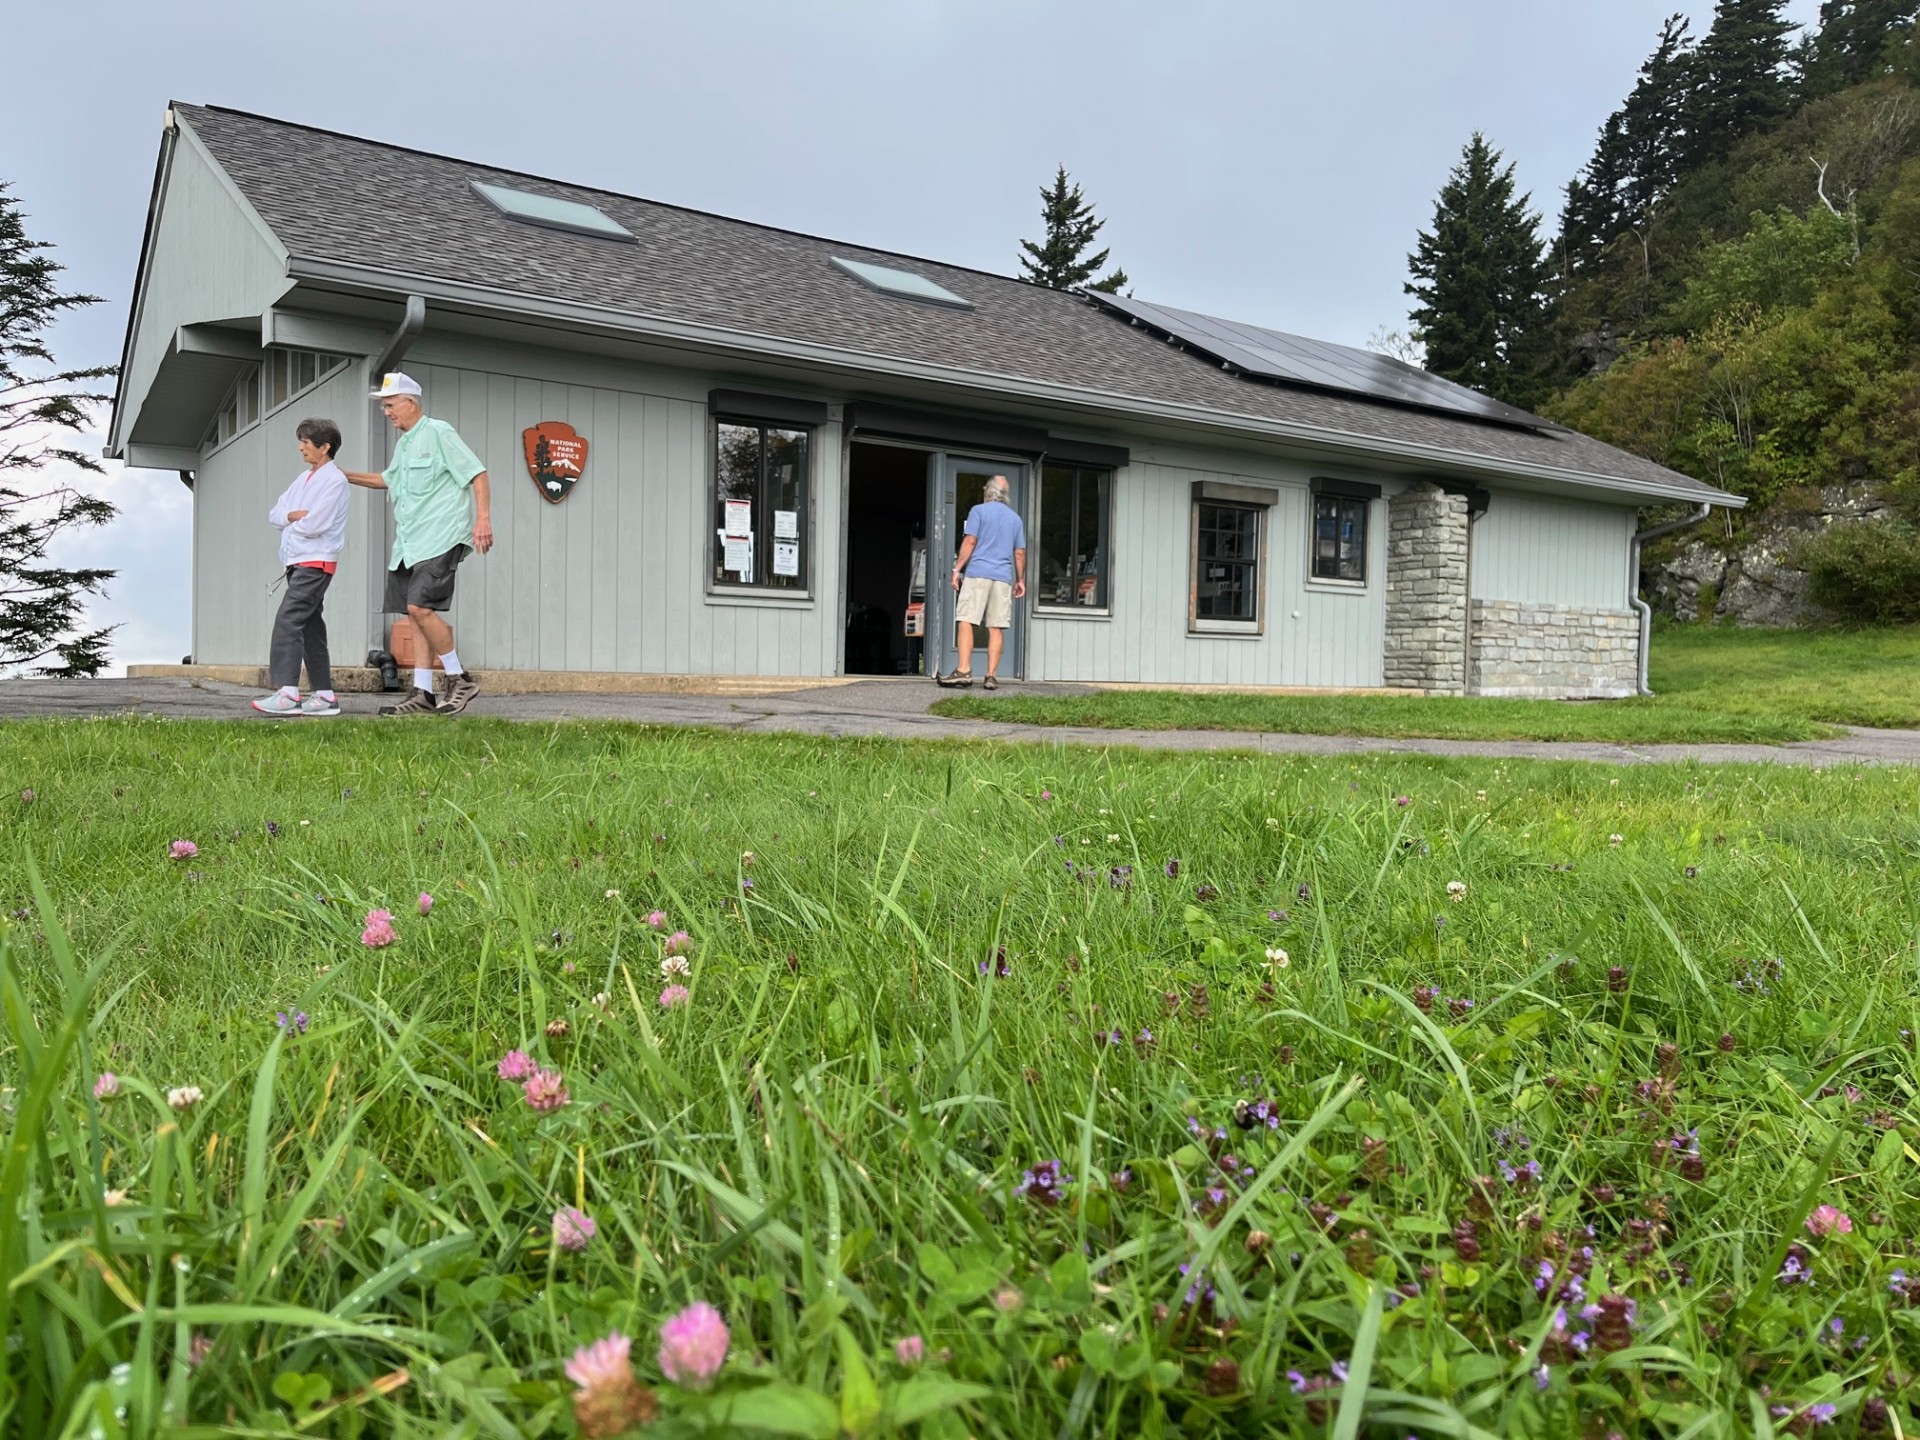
{"x":886,"y":526}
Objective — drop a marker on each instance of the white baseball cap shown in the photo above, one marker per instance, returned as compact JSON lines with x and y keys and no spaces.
{"x":395,"y":383}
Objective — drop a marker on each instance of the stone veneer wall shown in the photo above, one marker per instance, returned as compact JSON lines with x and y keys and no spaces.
{"x":1554,"y":652}
{"x":1426,"y":620}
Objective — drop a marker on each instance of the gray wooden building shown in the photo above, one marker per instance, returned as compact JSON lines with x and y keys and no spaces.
{"x":780,"y":427}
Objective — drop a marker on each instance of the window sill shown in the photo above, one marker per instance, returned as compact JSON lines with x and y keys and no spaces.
{"x":1225,"y":629}
{"x":757,"y":595}
{"x":1337,"y":587}
{"x":1071,"y":612}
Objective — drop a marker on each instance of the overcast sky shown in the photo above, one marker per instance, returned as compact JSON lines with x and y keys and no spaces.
{"x":1268,"y":162}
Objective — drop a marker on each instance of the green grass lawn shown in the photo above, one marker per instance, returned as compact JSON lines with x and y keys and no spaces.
{"x":1015,"y":1093}
{"x":1710,"y":684}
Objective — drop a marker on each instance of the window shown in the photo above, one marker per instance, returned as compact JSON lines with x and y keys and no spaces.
{"x":903,"y":283}
{"x":264,"y":388}
{"x":1228,"y":585}
{"x":1074,"y":528}
{"x":1340,"y":538}
{"x":760,"y":505}
{"x":551,"y":213}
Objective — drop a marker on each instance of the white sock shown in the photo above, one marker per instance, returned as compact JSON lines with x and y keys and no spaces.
{"x":423,"y":679}
{"x":326,"y":695}
{"x":292,"y":692}
{"x":450,"y":662}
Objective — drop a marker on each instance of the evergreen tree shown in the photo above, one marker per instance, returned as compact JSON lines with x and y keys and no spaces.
{"x":1653,"y":121}
{"x":1480,"y":280}
{"x":1593,"y":214}
{"x":1851,"y":43}
{"x":1741,"y":81}
{"x":41,"y":625}
{"x":1060,"y":260}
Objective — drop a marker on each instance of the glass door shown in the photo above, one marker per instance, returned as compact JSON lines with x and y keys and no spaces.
{"x":958,"y":484}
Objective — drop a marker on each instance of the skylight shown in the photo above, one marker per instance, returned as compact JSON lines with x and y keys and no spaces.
{"x":569,"y":215}
{"x":903,"y":283}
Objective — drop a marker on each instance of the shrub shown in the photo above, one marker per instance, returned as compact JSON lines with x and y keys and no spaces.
{"x":1864,"y":570}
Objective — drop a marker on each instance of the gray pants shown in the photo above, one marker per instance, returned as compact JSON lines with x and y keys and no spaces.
{"x":300,"y":631}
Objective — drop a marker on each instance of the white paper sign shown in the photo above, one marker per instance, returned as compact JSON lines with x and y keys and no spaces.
{"x":786,"y":558}
{"x":786,"y":525}
{"x":739,"y":556}
{"x":739,"y":520}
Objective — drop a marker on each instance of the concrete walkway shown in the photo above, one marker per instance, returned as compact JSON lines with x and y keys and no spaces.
{"x":897,"y":709}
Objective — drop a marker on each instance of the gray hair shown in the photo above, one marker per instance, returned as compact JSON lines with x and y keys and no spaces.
{"x":997,"y":488}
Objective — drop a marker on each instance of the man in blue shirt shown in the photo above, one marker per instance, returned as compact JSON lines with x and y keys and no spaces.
{"x":990,"y":572}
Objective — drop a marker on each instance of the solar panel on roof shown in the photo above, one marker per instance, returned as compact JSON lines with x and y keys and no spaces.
{"x":900,"y":282}
{"x":554,"y":214}
{"x":1296,"y":360}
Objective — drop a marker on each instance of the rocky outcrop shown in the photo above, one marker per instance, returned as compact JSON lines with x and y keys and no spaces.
{"x":1752,"y":582}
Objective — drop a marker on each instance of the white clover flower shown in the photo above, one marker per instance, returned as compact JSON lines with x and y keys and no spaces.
{"x":1456,"y":890}
{"x":1616,"y":841}
{"x":1113,"y":839}
{"x":184,"y":1097}
{"x":1277,"y":958}
{"x":613,"y":895}
{"x":111,"y":1198}
{"x":675,"y":966}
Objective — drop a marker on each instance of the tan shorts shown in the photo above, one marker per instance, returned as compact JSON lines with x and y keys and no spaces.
{"x":985,"y":602}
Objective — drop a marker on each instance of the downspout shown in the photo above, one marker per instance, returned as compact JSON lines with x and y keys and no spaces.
{"x":1640,"y":537}
{"x":412,"y":322}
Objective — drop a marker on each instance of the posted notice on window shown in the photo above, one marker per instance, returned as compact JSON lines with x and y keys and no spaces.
{"x":786,"y":558}
{"x":739,"y":555}
{"x":786,"y":524}
{"x":739,"y":517}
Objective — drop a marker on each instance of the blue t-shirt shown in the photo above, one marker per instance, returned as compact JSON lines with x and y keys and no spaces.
{"x":997,"y":532}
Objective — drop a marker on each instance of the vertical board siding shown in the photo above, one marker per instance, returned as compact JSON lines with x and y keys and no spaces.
{"x":236,"y":552}
{"x":1336,"y":639}
{"x":1549,"y":551}
{"x":614,"y":576}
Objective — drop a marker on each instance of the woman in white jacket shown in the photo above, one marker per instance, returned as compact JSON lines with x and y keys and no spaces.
{"x":312,"y":520}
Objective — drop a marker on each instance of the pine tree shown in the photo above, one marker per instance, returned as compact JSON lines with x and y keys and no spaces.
{"x":1593,"y":215}
{"x":1480,"y":281}
{"x":1851,"y":43}
{"x":1741,"y":81}
{"x":1653,"y":121}
{"x":1060,"y":260}
{"x":41,"y":621}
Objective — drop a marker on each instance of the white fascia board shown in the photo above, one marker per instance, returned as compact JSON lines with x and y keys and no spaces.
{"x":711,"y":337}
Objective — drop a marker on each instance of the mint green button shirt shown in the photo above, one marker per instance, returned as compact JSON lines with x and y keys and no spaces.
{"x":428,"y":480}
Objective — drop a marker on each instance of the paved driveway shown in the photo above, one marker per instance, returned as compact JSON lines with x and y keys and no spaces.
{"x":897,"y":709}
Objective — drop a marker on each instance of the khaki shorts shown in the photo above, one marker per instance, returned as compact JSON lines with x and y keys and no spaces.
{"x":985,"y":602}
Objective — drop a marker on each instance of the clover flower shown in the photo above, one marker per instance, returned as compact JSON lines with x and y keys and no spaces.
{"x":545,"y":1091}
{"x":909,"y":1350}
{"x":184,"y":1097}
{"x":379,"y":931}
{"x":674,"y":996}
{"x":675,"y":967}
{"x":1826,"y":1220}
{"x":679,"y":943}
{"x":425,"y":903}
{"x":1277,"y":959}
{"x":515,"y":1065}
{"x":572,"y":1229}
{"x":693,"y":1346}
{"x":107,"y":1086}
{"x":182,"y":850}
{"x":1456,"y":891}
{"x":657,"y":919}
{"x":609,"y":1400}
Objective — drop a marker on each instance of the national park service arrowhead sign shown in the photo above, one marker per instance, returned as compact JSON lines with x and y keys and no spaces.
{"x":556,"y":458}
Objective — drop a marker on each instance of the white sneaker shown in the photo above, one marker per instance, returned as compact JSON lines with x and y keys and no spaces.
{"x":316,"y":705}
{"x":279,"y":703}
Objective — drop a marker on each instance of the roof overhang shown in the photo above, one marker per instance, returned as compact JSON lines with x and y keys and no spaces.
{"x":1106,"y":406}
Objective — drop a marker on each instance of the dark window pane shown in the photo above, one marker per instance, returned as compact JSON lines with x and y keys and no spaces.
{"x":1090,"y":546}
{"x":737,"y":458}
{"x":1339,"y":538}
{"x":764,"y":468}
{"x":785,"y":510}
{"x":1056,"y":564}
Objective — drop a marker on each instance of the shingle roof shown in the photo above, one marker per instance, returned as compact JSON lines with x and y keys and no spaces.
{"x":414,"y":213}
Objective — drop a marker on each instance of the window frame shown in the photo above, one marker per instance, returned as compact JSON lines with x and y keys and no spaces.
{"x":722,"y":590}
{"x":1104,"y":610}
{"x":258,"y":378}
{"x":1258,"y":502}
{"x":1344,"y":582}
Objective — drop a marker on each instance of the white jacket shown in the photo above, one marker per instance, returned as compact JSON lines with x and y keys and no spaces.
{"x":322,"y":531}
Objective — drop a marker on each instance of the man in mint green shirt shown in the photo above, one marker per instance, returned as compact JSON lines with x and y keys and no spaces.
{"x":441,"y":509}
